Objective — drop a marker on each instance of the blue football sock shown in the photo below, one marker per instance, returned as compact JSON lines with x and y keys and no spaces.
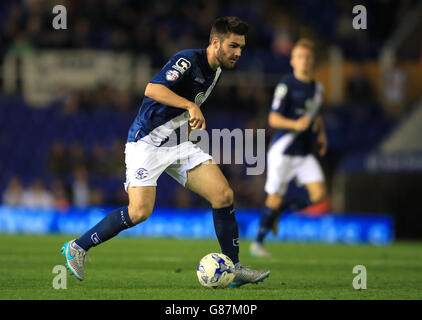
{"x":227,"y":231}
{"x":114,"y":222}
{"x":266,"y":223}
{"x":268,"y":216}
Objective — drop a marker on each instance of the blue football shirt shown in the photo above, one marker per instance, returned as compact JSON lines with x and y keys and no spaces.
{"x":294,"y":99}
{"x":189,"y":75}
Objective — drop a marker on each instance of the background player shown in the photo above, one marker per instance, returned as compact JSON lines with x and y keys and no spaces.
{"x":294,"y":116}
{"x":156,"y":144}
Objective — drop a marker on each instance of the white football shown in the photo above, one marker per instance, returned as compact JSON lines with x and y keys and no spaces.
{"x":215,"y":270}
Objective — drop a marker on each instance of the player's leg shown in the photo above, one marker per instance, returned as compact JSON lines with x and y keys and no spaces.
{"x":316,"y":191}
{"x":269,"y":214}
{"x":141,"y":203}
{"x":311,"y":176}
{"x":280,"y":171}
{"x":142,"y":171}
{"x":198,"y":173}
{"x":208,"y":181}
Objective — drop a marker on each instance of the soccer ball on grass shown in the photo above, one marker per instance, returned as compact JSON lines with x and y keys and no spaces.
{"x":215,"y":270}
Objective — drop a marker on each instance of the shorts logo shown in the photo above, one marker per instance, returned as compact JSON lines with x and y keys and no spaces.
{"x":172,"y":75}
{"x":141,"y":173}
{"x":95,"y":239}
{"x":236,"y":242}
{"x":182,"y":65}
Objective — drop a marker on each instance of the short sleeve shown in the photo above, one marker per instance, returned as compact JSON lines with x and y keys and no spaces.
{"x":174,"y":71}
{"x":279,"y":98}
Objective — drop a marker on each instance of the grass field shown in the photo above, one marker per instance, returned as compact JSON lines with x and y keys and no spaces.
{"x":153,"y":269}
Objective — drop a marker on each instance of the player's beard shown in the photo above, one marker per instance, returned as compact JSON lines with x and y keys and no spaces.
{"x":224,"y":59}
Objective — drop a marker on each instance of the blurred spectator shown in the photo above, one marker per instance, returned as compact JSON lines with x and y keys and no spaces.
{"x":283,"y":38}
{"x":70,"y":104}
{"x":120,"y":197}
{"x":150,"y":28}
{"x":182,"y":198}
{"x":77,"y":156}
{"x":61,"y":199}
{"x":395,"y":89}
{"x":359,"y":89}
{"x":80,"y":187}
{"x":116,"y":163}
{"x":344,"y":28}
{"x":96,"y":197}
{"x":37,"y":196}
{"x":98,"y":160}
{"x":122,"y":101}
{"x":13,"y":195}
{"x":58,"y":161}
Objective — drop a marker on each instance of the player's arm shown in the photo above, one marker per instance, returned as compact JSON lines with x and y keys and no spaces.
{"x":319,"y":128}
{"x":176,"y":70}
{"x":277,"y":120}
{"x":164,"y":95}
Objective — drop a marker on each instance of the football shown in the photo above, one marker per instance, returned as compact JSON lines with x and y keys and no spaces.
{"x":215,"y":270}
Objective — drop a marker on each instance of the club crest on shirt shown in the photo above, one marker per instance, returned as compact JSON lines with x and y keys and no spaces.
{"x":200,"y":98}
{"x":172,"y":75}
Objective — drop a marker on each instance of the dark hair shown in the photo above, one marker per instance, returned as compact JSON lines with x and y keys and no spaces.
{"x":223,"y":26}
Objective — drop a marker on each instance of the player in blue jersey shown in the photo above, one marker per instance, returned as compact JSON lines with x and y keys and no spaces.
{"x":157,"y":142}
{"x":295,"y":117}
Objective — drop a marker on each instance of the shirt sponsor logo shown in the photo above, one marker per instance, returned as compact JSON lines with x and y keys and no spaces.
{"x":182,"y":65}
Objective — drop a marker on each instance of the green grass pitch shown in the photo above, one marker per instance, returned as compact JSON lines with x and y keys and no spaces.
{"x":153,"y":269}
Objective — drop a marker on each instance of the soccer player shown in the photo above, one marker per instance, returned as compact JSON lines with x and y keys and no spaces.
{"x":155,"y":145}
{"x":294,"y":116}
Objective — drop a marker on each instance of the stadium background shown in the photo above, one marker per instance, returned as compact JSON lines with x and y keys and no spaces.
{"x":68,"y":97}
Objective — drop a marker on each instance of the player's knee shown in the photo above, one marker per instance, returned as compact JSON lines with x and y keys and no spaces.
{"x":223,"y":198}
{"x":318,"y":195}
{"x":273,"y":202}
{"x":139,"y":213}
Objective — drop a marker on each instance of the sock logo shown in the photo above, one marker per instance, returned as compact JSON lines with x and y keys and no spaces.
{"x":236,"y":242}
{"x":123,"y":218}
{"x":95,"y":238}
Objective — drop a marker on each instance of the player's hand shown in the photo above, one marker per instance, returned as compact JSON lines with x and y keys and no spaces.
{"x":302,"y":123}
{"x":323,"y":144}
{"x":196,"y":119}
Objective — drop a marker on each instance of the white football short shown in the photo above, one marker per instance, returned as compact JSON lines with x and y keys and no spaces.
{"x":281,"y":169}
{"x":146,"y":162}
